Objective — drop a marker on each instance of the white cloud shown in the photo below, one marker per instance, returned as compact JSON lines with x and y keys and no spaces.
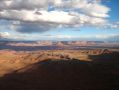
{"x":25,"y":36}
{"x":23,"y":4}
{"x":60,"y":36}
{"x":4,"y":35}
{"x":90,"y":7}
{"x":34,"y":15}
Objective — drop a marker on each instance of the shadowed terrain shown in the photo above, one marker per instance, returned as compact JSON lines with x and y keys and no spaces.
{"x":59,"y":70}
{"x":63,"y":75}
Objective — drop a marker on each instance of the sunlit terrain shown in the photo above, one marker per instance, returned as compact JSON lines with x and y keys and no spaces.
{"x":59,"y":67}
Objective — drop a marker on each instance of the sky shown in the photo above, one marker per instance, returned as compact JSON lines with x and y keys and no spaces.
{"x":65,"y":20}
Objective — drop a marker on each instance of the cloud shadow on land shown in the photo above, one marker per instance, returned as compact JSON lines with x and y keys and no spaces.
{"x":63,"y":75}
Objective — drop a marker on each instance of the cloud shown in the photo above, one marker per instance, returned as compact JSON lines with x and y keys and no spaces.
{"x":37,"y":15}
{"x":114,"y":25}
{"x":98,"y":36}
{"x":31,"y":27}
{"x":89,"y":7}
{"x":4,"y":35}
{"x":26,"y":36}
{"x":46,"y":20}
{"x":59,"y":17}
{"x":23,"y":4}
{"x":17,"y":36}
{"x":110,"y":36}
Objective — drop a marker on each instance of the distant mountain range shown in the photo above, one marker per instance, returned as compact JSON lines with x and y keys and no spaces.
{"x":57,"y":43}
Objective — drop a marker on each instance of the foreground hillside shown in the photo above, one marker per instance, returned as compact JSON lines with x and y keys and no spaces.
{"x":63,"y":75}
{"x":54,"y":71}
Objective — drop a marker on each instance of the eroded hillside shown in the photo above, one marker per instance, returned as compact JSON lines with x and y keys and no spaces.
{"x":14,"y":60}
